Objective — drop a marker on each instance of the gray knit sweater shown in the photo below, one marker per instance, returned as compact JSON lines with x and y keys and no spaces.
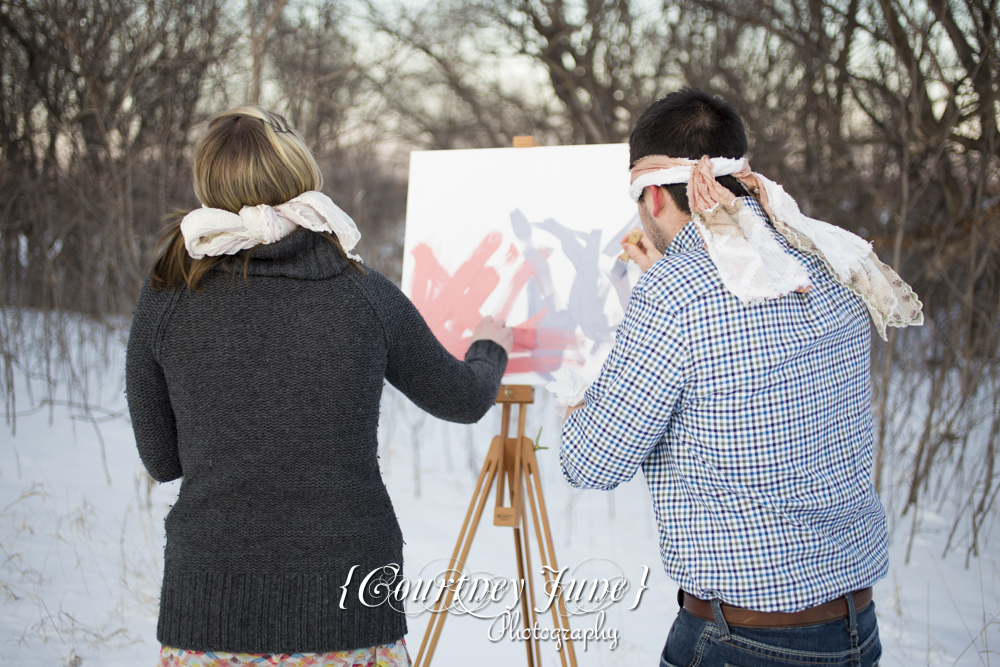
{"x":264,"y":396}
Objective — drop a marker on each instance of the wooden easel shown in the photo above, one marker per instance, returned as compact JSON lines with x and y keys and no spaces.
{"x":511,"y":461}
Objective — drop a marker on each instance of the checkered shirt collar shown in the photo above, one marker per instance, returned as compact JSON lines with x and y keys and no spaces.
{"x":687,"y":239}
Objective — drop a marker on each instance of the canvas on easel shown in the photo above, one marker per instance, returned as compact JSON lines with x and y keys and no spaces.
{"x":527,"y":235}
{"x":530,"y":236}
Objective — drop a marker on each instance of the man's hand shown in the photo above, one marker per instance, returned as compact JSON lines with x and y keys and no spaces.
{"x":644,"y":253}
{"x":571,"y":409}
{"x":494,"y":330}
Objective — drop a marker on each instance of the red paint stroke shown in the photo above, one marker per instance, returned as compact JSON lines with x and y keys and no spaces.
{"x":549,"y":353}
{"x":512,"y":255}
{"x":539,"y":362}
{"x":451,"y":305}
{"x":524,"y":338}
{"x":528,"y":341}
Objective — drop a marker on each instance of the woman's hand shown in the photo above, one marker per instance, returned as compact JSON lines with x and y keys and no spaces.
{"x":494,"y":330}
{"x":643,"y":253}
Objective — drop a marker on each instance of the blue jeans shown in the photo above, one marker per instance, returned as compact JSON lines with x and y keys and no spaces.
{"x":849,"y":642}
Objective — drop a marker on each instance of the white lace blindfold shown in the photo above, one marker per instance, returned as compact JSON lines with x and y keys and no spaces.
{"x":213,"y":231}
{"x":751,"y":262}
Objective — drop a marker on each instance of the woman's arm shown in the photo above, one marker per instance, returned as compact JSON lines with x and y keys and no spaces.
{"x":146,"y":389}
{"x":420,"y":367}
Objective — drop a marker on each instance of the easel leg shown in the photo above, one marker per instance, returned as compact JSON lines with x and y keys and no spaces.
{"x":530,"y":583}
{"x":547,"y":552}
{"x":462,"y":546}
{"x":513,"y":458}
{"x":519,"y":546}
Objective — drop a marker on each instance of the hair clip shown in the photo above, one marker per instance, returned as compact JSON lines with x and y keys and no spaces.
{"x":277,"y":128}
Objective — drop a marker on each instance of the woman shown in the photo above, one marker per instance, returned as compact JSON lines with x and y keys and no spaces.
{"x":255,"y":367}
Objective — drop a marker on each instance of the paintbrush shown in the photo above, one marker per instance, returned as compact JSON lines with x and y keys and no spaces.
{"x":620,"y":268}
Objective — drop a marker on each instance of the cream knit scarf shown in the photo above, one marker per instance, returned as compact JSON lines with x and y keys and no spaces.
{"x":214,"y":232}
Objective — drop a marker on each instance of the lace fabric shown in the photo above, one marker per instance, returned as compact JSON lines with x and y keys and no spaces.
{"x":751,"y":263}
{"x":850,"y":259}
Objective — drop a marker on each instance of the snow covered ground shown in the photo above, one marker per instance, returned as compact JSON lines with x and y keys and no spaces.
{"x":81,"y":557}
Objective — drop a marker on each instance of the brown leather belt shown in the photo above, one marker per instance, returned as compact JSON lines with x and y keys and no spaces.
{"x":747,"y":618}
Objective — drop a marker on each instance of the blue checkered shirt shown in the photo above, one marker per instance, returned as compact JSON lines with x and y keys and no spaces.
{"x":752,"y":426}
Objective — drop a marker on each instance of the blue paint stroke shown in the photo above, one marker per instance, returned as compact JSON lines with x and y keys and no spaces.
{"x":587,"y":292}
{"x":613,"y":249}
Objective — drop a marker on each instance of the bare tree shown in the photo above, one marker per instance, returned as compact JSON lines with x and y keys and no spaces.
{"x":449,"y":80}
{"x":266,"y":13}
{"x":876,"y":115}
{"x":330,"y":95}
{"x":604,"y":59}
{"x":96,"y":103}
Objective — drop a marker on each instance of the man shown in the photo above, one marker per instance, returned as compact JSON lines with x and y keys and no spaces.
{"x":739,"y":383}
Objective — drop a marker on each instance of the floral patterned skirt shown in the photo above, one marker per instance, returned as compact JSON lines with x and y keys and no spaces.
{"x":386,"y":655}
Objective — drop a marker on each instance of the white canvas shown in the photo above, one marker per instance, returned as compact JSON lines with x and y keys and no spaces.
{"x":527,"y":234}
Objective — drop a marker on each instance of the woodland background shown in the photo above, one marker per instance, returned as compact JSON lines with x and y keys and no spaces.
{"x":877,"y":115}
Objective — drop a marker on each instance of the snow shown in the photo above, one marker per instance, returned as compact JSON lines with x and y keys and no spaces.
{"x":82,"y":558}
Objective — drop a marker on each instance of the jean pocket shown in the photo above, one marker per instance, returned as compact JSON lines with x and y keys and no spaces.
{"x":871,"y":649}
{"x":743,"y":651}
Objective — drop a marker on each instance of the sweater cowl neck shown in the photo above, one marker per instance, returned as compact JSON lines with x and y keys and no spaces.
{"x":302,"y":255}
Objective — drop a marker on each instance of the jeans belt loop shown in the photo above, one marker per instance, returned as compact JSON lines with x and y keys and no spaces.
{"x":720,"y":620}
{"x":852,"y":615}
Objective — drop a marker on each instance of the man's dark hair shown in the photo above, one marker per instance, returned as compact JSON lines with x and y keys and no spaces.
{"x":690,"y":123}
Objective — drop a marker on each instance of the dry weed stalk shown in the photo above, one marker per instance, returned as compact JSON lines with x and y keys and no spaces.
{"x":880,"y":117}
{"x":77,"y":548}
